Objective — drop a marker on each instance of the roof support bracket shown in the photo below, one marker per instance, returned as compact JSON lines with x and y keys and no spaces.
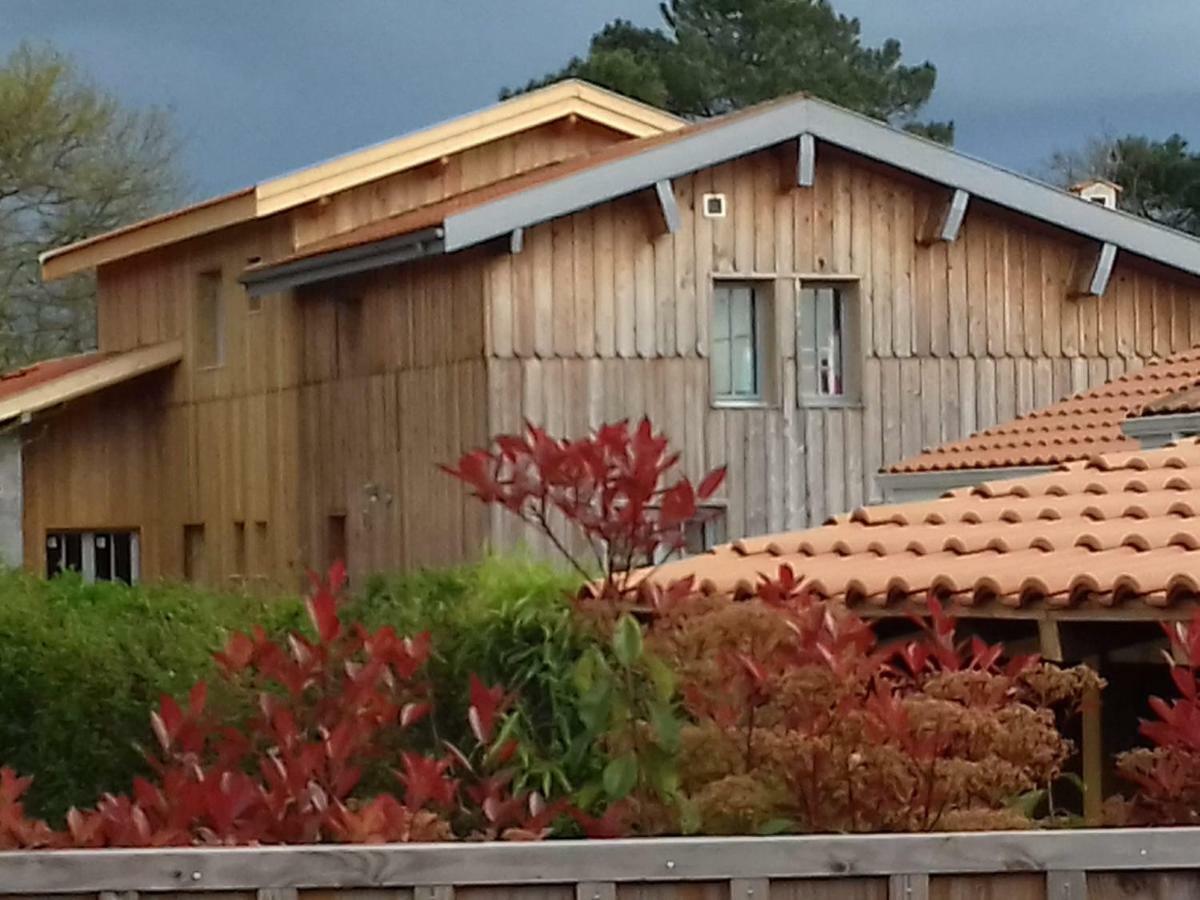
{"x":806,"y":160}
{"x":667,"y":205}
{"x":945,"y":219}
{"x":1096,"y":271}
{"x":516,"y":241}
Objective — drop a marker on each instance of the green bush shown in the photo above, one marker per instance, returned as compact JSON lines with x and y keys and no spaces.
{"x":508,"y":620}
{"x":81,"y":666}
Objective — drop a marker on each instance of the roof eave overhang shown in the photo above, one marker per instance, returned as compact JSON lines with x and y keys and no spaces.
{"x":343,"y":263}
{"x":855,"y":133}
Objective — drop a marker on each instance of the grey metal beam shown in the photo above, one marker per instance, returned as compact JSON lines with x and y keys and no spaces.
{"x":806,"y":160}
{"x":1161,"y":430}
{"x":900,"y":487}
{"x":516,"y":241}
{"x":340,"y":263}
{"x":667,"y":204}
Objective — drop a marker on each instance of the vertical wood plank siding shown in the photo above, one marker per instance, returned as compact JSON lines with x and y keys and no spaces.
{"x":317,"y":411}
{"x":333,"y":403}
{"x":955,"y":336}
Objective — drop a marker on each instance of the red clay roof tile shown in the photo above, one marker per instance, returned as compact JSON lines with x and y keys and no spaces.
{"x":1076,"y":428}
{"x":23,"y":379}
{"x":1120,"y":529}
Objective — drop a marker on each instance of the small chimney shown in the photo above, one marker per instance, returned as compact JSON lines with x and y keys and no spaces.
{"x":1097,"y":190}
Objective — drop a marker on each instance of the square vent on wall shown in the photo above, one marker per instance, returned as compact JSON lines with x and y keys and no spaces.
{"x":714,"y":206}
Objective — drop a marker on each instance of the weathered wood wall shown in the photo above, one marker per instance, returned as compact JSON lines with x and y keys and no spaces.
{"x":1151,"y":864}
{"x":604,"y":315}
{"x":309,"y":417}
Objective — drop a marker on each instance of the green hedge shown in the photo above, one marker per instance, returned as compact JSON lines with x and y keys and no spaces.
{"x":82,"y":665}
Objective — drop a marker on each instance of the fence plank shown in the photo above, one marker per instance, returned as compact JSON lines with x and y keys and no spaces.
{"x":715,"y":860}
{"x":1066,"y":885}
{"x":910,"y":886}
{"x":749,"y":889}
{"x":596,"y":890}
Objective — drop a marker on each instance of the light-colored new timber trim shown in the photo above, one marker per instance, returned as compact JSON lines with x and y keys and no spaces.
{"x":558,"y":101}
{"x":570,"y":98}
{"x":748,"y":132}
{"x":571,"y":862}
{"x":190,"y":221}
{"x":103,"y":373}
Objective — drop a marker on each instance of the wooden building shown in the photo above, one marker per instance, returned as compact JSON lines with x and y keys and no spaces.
{"x":797,"y":291}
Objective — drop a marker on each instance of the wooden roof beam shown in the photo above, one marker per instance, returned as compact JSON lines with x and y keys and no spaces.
{"x":668,"y":206}
{"x":806,"y":160}
{"x":945,"y":219}
{"x":1095,"y":271}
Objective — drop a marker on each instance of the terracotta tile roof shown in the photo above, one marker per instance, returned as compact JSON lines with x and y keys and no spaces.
{"x":1118,"y":531}
{"x":1075,"y":428}
{"x":1186,"y":400}
{"x":21,"y":380}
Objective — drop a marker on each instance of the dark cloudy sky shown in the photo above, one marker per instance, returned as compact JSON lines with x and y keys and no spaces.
{"x":260,"y":87}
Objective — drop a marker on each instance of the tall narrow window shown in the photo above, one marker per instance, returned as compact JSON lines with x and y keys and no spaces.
{"x":195,"y":562}
{"x":739,"y":342}
{"x":335,"y":540}
{"x":239,"y":548}
{"x":826,"y":345}
{"x":209,"y":321}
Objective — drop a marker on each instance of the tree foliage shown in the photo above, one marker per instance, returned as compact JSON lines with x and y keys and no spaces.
{"x":73,"y":163}
{"x":1160,"y":180}
{"x":715,"y":56}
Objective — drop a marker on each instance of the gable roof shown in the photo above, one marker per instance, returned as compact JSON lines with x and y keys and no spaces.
{"x":1073,"y":429}
{"x":48,"y":383}
{"x":638,"y":165}
{"x":1113,"y":536}
{"x":521,"y":113}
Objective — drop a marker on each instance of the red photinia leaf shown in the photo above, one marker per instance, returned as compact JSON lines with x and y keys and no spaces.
{"x":322,"y":611}
{"x":486,"y":704}
{"x":711,"y":483}
{"x":678,"y":504}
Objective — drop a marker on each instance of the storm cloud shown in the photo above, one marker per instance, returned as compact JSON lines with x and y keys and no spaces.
{"x":265,"y":87}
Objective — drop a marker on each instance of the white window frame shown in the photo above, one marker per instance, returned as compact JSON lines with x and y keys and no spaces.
{"x":808,"y":354}
{"x":763,"y":294}
{"x":87,"y":551}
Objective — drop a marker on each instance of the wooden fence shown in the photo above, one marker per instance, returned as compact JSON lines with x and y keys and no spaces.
{"x":1067,"y":865}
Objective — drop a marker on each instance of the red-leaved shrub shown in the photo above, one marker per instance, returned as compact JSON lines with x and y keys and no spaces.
{"x":1166,"y":776}
{"x":330,"y":706}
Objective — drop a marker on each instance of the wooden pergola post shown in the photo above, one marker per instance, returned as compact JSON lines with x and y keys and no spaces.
{"x":1092,"y":751}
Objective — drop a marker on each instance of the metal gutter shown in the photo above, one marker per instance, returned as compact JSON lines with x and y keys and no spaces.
{"x":340,"y":263}
{"x":902,"y":487}
{"x":1159,"y":431}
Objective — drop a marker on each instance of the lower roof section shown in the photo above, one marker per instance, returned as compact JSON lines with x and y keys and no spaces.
{"x":46,"y":384}
{"x":1115,"y":536}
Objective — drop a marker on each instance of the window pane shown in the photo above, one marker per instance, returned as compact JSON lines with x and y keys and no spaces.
{"x":745,"y":382}
{"x":830,"y":380}
{"x":742,"y":309}
{"x":720,"y":326}
{"x":721,"y":368}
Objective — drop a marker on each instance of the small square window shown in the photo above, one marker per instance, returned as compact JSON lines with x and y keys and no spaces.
{"x":826,"y":332}
{"x":740,"y":342}
{"x":714,"y":206}
{"x":95,"y":555}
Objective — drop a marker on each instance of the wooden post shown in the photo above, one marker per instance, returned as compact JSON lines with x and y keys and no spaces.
{"x":1093,"y":751}
{"x":1049,"y":640}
